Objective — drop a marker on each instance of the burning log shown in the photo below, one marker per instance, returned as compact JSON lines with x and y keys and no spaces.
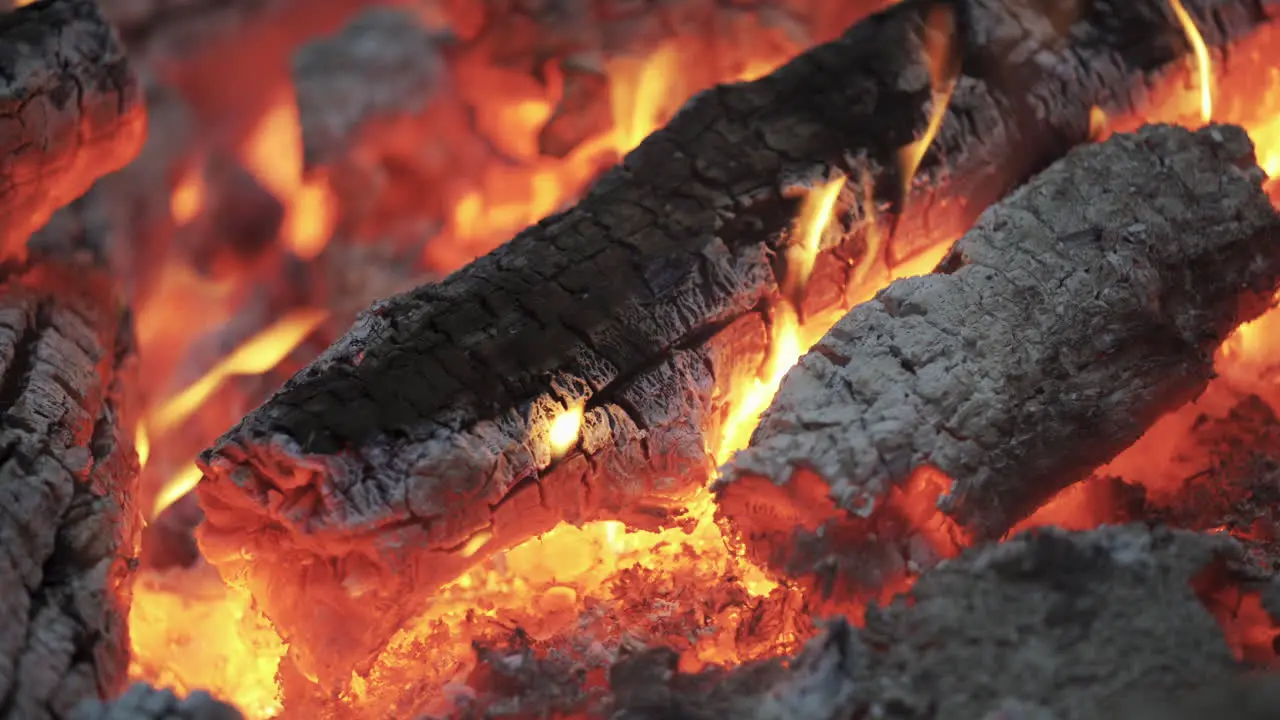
{"x":583,"y":370}
{"x":1051,"y":624}
{"x":67,"y":520}
{"x":71,"y":111}
{"x":1067,"y":321}
{"x":143,"y":702}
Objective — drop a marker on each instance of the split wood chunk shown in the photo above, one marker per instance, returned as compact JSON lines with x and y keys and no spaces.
{"x":70,"y":111}
{"x":420,"y":442}
{"x":1050,"y":625}
{"x":68,"y":526}
{"x":1072,"y":316}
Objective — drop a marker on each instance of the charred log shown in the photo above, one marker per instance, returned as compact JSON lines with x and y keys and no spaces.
{"x":70,"y":111}
{"x":424,"y":432}
{"x":67,"y":520}
{"x":1072,"y":316}
{"x":142,"y":702}
{"x":1050,"y":625}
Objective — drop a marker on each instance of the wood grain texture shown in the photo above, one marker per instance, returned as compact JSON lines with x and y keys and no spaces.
{"x":426,"y":426}
{"x":1073,"y":315}
{"x":68,"y":527}
{"x":70,"y":111}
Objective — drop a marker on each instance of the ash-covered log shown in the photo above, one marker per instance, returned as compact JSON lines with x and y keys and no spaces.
{"x":1074,"y":314}
{"x":70,"y":111}
{"x":421,"y":441}
{"x":1050,"y":625}
{"x":68,"y":524}
{"x":143,"y":702}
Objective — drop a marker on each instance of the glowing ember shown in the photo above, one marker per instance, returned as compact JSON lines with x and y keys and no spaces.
{"x":564,"y":430}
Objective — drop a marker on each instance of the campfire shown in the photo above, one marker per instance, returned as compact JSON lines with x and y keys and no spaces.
{"x":640,"y":360}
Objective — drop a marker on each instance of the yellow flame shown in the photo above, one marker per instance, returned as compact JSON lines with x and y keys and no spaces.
{"x":942,"y":53}
{"x":787,"y":341}
{"x":1203,"y":67}
{"x":477,"y":541}
{"x":257,"y":355}
{"x":142,"y":443}
{"x":563,"y":433}
{"x":639,"y":91}
{"x":1099,"y":124}
{"x":187,"y":199}
{"x":174,"y":488}
{"x":815,"y":215}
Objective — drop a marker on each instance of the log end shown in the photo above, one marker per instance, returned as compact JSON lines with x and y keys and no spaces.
{"x":70,"y":111}
{"x":1074,"y":314}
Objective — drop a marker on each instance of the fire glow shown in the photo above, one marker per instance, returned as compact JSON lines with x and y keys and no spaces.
{"x":551,"y":582}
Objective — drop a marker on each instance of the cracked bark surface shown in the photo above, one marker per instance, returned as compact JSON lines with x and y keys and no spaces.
{"x":70,"y":111}
{"x":424,"y":430}
{"x":1050,"y":625}
{"x":68,"y":526}
{"x":1074,"y":314}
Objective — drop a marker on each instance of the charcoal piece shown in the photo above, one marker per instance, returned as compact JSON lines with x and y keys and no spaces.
{"x":419,"y":443}
{"x":70,"y":111}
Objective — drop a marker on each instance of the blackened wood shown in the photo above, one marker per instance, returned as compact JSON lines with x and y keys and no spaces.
{"x":425,"y":428}
{"x":1050,"y":625}
{"x":142,"y":702}
{"x":1074,"y":314}
{"x":70,"y":111}
{"x":68,"y":526}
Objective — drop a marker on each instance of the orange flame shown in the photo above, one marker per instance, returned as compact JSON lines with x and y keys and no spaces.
{"x":1203,"y":69}
{"x":273,"y":155}
{"x":188,"y":198}
{"x":943,"y":55}
{"x":257,"y":355}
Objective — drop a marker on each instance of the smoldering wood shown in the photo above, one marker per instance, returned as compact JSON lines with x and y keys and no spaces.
{"x":1069,"y":319}
{"x":68,"y":524}
{"x":70,"y":111}
{"x":415,"y":74}
{"x":425,"y":428}
{"x":1050,"y":625}
{"x":143,"y":702}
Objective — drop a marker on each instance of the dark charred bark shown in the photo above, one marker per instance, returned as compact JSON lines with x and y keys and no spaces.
{"x":143,"y":702}
{"x":70,"y":111}
{"x":1073,"y":315}
{"x":68,"y":524}
{"x":424,"y":430}
{"x":1050,"y":625}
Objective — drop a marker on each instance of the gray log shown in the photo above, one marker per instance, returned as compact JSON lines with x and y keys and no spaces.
{"x":143,"y":702}
{"x":70,"y":111}
{"x":425,"y":428}
{"x":68,"y":525}
{"x":1072,"y":316}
